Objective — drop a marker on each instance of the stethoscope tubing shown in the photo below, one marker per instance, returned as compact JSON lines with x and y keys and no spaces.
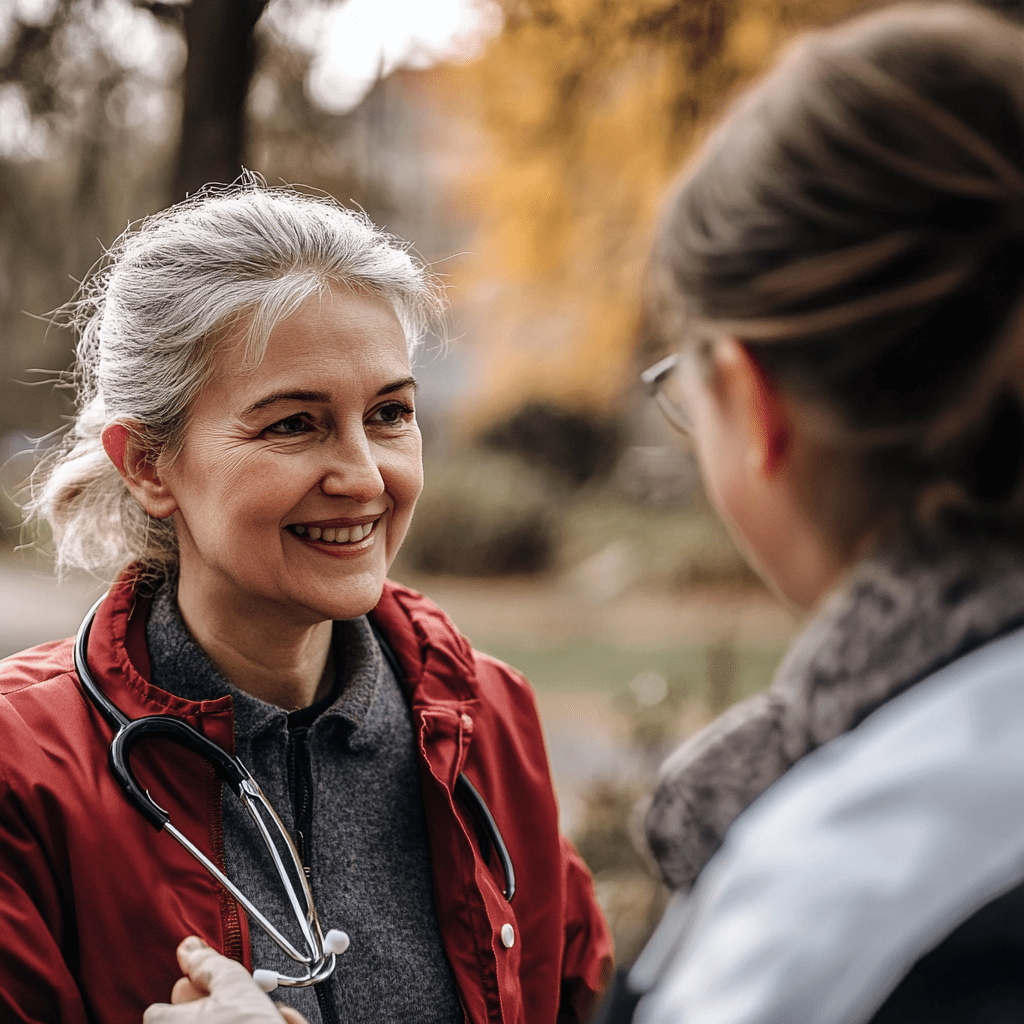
{"x":128,"y":733}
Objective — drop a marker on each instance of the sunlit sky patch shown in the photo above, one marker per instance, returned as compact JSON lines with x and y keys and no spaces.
{"x":356,"y":41}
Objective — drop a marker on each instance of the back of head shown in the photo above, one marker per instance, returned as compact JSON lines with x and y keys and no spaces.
{"x":149,"y":320}
{"x":857,"y":220}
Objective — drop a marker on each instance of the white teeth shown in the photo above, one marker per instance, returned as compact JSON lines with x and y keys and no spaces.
{"x":335,"y":534}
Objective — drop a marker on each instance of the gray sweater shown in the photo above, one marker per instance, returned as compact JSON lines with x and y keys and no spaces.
{"x":367,"y":853}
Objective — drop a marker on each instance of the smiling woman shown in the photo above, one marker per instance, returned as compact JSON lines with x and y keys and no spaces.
{"x":246,"y":462}
{"x":290,"y":499}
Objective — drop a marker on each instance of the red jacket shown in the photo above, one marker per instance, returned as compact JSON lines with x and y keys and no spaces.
{"x":93,"y":900}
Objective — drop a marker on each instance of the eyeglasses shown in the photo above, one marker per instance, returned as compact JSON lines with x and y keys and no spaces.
{"x":655,"y":380}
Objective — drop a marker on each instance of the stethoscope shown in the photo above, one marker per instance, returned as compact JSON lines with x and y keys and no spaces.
{"x":319,"y":959}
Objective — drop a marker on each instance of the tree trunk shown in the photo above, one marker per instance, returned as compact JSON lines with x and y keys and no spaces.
{"x":221,"y":58}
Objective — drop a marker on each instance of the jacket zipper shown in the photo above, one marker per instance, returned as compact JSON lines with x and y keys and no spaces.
{"x":301,"y":773}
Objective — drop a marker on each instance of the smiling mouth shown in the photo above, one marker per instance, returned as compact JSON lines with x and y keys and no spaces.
{"x":334,"y":534}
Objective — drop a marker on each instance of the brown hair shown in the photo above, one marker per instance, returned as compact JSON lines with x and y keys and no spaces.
{"x":857,"y":220}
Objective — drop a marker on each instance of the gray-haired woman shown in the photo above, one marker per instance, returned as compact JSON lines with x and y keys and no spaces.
{"x":246,"y":460}
{"x":846,"y":255}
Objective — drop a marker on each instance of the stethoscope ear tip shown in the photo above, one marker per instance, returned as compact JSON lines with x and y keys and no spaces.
{"x":336,"y":941}
{"x":267,"y":980}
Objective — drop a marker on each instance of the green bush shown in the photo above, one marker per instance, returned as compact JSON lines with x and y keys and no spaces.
{"x":482,"y":516}
{"x":571,"y":447}
{"x":488,"y":514}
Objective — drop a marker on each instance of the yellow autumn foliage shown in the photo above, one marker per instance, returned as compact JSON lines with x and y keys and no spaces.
{"x":585,"y":111}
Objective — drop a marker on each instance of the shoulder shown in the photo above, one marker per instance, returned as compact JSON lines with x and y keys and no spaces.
{"x":37,"y":665}
{"x":834,"y":883}
{"x":38,"y":698}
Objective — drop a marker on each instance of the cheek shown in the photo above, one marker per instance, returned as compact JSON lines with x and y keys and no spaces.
{"x":722,"y":458}
{"x":404,"y":481}
{"x":231,"y":484}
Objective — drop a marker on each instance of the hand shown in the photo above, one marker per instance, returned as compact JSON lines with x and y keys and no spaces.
{"x":216,"y":990}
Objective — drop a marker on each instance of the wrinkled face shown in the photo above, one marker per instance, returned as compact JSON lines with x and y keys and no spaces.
{"x":298,"y":478}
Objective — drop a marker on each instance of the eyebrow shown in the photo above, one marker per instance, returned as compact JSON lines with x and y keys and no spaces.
{"x":288,"y":395}
{"x":398,"y":385}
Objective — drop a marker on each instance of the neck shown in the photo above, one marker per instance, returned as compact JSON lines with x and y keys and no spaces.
{"x":286,"y":664}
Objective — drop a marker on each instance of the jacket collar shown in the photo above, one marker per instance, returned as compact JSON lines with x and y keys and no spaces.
{"x":436,"y":660}
{"x":119,"y":662}
{"x":439,"y":673}
{"x":439,"y":677}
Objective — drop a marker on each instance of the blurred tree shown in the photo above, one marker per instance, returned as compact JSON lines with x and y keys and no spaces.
{"x":586,"y":110}
{"x":220,"y":48}
{"x":110,"y":109}
{"x":84,"y":148}
{"x":221,"y":61}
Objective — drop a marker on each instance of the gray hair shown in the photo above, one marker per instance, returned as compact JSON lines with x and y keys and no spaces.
{"x":148,"y":319}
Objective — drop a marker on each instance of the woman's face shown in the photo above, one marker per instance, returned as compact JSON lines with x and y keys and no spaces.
{"x":298,"y":478}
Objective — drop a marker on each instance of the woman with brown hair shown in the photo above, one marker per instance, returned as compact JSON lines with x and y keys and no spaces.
{"x":845,"y":257}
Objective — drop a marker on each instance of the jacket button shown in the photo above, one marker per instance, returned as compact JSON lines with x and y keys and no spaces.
{"x":466,"y":720}
{"x":508,"y":936}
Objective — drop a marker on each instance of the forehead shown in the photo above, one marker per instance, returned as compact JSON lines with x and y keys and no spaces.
{"x":343,"y":333}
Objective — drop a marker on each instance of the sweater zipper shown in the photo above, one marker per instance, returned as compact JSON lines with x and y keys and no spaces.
{"x":302,"y":808}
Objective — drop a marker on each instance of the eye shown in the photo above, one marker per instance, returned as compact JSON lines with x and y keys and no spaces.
{"x":298,"y":424}
{"x":393,"y":413}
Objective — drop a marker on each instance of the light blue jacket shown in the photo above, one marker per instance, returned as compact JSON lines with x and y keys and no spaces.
{"x":857,"y":862}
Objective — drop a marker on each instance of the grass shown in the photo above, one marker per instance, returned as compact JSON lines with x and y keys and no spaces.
{"x":674,"y":548}
{"x":609,"y":668}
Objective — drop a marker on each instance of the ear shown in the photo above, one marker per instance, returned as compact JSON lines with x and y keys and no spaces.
{"x":139,"y":469}
{"x":115,"y":438}
{"x":761,"y":403}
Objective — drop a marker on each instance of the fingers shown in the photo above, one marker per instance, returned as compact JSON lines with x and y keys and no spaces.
{"x":207,"y":969}
{"x":186,"y":948}
{"x":216,"y":990}
{"x":165,"y":1013}
{"x":159,"y":1013}
{"x":185,"y":991}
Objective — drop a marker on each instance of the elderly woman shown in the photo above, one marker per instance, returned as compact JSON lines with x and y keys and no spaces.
{"x":847,"y":255}
{"x":246,"y":460}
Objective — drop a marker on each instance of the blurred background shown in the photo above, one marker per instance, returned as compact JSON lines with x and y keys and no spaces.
{"x":523,"y":147}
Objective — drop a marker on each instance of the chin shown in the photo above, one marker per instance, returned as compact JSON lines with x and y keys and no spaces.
{"x":351,"y":599}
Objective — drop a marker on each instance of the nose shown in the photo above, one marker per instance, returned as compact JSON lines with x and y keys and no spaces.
{"x":352,"y":471}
